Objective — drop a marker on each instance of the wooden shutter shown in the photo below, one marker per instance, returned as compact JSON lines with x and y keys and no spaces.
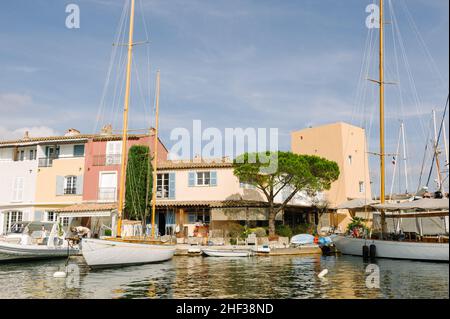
{"x":79,"y":185}
{"x":171,"y":185}
{"x":192,"y":179}
{"x":213,"y":178}
{"x":59,"y":185}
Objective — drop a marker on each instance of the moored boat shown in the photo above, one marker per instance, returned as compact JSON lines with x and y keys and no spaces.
{"x":227,"y":253}
{"x":100,"y":253}
{"x":34,"y":241}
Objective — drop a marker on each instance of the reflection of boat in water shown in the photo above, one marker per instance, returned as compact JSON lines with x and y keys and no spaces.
{"x":227,"y":253}
{"x":34,"y":240}
{"x":106,"y":253}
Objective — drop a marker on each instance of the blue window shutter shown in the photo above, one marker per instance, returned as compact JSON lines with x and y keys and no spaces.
{"x":171,"y":185}
{"x":213,"y":177}
{"x":191,"y":179}
{"x":59,"y":185}
{"x":79,"y":185}
{"x":78,"y":150}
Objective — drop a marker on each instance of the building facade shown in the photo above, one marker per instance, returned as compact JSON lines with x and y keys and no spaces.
{"x":347,"y":146}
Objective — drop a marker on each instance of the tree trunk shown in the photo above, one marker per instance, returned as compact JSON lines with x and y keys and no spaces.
{"x":271,"y":220}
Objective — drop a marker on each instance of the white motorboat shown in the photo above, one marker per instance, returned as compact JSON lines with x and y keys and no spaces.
{"x":102,"y":253}
{"x":33,"y":241}
{"x":227,"y":253}
{"x":393,"y":249}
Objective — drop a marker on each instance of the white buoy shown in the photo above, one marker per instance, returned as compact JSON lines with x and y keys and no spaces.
{"x":323,"y":273}
{"x":60,"y":274}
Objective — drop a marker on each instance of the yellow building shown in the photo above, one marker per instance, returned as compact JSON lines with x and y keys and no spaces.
{"x":347,"y":146}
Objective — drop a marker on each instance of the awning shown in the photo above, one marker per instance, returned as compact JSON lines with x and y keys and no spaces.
{"x":424,"y":204}
{"x":88,"y":210}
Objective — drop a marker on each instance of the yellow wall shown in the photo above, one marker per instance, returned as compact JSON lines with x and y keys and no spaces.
{"x":336,"y":142}
{"x":46,"y":180}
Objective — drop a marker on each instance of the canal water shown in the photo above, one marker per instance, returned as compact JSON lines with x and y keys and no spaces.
{"x":257,"y":277}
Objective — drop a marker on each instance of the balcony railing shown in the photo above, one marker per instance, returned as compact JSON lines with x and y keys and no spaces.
{"x":106,"y":160}
{"x":46,"y":161}
{"x":107,"y":194}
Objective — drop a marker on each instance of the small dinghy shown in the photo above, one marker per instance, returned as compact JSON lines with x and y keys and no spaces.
{"x":34,"y":241}
{"x":227,"y":253}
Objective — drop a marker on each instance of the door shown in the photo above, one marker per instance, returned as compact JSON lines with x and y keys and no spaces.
{"x":162,"y":224}
{"x":107,"y":186}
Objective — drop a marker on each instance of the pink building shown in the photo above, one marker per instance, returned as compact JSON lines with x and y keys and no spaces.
{"x":102,"y":164}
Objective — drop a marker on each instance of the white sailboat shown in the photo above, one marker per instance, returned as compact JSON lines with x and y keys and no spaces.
{"x":34,"y":241}
{"x":119,"y":251}
{"x":380,"y":248}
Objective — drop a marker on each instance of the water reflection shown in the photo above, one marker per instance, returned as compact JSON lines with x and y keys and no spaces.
{"x":197,"y":277}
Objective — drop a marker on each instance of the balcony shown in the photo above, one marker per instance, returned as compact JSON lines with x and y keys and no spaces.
{"x":106,"y":160}
{"x":46,"y":161}
{"x":107,"y":194}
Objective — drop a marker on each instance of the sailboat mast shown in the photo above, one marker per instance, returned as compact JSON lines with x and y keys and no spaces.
{"x":436,"y":153}
{"x":125,"y":125}
{"x":155,"y":156}
{"x":382,"y":152}
{"x":404,"y":157}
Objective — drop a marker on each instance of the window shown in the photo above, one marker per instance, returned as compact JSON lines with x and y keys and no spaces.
{"x":201,"y":216}
{"x":51,"y":216}
{"x":113,"y":152}
{"x":203,"y":178}
{"x":32,"y":155}
{"x":78,"y":150}
{"x":361,"y":187}
{"x":12,"y":218}
{"x":18,"y":189}
{"x":246,"y":185}
{"x":162,"y":186}
{"x":65,"y":221}
{"x":21,"y":155}
{"x":70,"y":185}
{"x":350,"y":160}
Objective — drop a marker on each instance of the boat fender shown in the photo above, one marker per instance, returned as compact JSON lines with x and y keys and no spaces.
{"x":365,"y":252}
{"x":373,"y":251}
{"x":323,"y":273}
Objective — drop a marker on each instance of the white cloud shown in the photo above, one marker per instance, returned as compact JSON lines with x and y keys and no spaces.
{"x":14,"y":101}
{"x":35,"y":131}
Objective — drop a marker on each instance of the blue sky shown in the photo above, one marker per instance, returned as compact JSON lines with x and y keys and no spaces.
{"x":229,"y":63}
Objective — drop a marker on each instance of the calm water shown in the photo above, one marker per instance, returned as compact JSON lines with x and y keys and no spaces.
{"x":197,"y":277}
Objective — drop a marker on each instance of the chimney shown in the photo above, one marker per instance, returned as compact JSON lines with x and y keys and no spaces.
{"x":106,"y":130}
{"x":72,"y":132}
{"x":26,"y":136}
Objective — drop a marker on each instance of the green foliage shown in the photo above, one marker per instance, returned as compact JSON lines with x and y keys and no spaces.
{"x":287,"y":170}
{"x":284,"y":231}
{"x":357,"y":222}
{"x":136,"y":182}
{"x":108,"y":232}
{"x":236,"y":231}
{"x":259,"y":231}
{"x":303,"y":229}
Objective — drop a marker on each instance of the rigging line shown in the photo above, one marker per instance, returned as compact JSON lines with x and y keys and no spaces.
{"x":110,"y":67}
{"x":139,"y":86}
{"x":437,"y":141}
{"x":425,"y":153}
{"x":405,"y":59}
{"x":431,"y":61}
{"x":395,"y":164}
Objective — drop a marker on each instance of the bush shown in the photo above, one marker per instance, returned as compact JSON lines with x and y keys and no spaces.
{"x":108,"y":232}
{"x":236,"y":230}
{"x":357,"y":222}
{"x":259,"y":231}
{"x":303,"y":229}
{"x":283,"y":231}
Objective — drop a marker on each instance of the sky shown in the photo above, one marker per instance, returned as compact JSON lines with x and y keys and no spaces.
{"x":286,"y":64}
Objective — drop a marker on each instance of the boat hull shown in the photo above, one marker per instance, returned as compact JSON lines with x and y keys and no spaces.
{"x":227,"y":253}
{"x":99,"y":253}
{"x":15,"y":252}
{"x":394,"y":249}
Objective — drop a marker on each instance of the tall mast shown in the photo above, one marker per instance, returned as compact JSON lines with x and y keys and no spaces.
{"x":404,"y":157}
{"x":382,"y":152}
{"x":436,"y":153}
{"x":125,"y":125}
{"x":155,"y":156}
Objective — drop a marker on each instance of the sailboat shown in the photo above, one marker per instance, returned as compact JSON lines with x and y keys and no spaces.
{"x":433,"y":249}
{"x":118,"y":251}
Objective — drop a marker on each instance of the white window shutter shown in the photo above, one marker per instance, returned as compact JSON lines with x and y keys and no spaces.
{"x":59,"y":185}
{"x":79,"y":186}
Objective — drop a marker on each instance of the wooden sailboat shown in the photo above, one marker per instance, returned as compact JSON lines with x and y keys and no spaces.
{"x":380,"y":248}
{"x":120,"y":251}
